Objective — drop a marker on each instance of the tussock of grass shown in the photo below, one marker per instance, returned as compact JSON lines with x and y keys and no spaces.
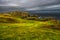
{"x":22,"y":29}
{"x":28,"y":30}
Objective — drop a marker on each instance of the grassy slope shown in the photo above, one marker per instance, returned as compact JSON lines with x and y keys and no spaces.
{"x":28,"y":30}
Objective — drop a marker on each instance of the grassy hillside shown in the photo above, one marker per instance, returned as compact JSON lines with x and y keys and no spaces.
{"x":15,"y":28}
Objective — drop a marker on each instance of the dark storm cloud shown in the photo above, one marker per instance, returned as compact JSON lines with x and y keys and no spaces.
{"x":31,"y":5}
{"x":27,"y":3}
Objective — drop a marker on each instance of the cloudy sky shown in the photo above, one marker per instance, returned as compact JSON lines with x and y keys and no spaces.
{"x":29,"y":5}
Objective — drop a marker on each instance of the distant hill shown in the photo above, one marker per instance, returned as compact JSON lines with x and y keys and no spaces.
{"x":13,"y":15}
{"x":10,"y":17}
{"x":20,"y":14}
{"x":16,"y":13}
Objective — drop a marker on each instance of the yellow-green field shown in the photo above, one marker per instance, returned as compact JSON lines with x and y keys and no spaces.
{"x":29,"y":30}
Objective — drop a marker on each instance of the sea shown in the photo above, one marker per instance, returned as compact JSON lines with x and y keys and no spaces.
{"x":55,"y":15}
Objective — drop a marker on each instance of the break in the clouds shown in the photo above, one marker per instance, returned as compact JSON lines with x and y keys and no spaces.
{"x":45,"y":7}
{"x":31,"y":4}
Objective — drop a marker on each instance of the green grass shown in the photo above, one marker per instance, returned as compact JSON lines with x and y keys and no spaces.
{"x":28,"y":30}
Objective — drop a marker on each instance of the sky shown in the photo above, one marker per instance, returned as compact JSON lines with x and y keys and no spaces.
{"x":29,"y":5}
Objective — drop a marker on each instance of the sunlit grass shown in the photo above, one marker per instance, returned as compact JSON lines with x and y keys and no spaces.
{"x":28,"y":30}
